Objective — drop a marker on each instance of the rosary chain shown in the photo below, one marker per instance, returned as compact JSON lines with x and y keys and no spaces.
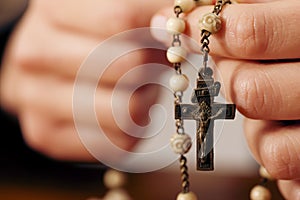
{"x":178,"y":95}
{"x":204,"y":40}
{"x":219,"y":5}
{"x":204,"y":33}
{"x":177,"y":11}
{"x":177,"y":101}
{"x":184,"y":174}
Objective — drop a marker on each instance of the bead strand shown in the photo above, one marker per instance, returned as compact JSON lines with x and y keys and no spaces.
{"x":114,"y":181}
{"x":260,"y":192}
{"x":210,"y":23}
{"x":179,"y":82}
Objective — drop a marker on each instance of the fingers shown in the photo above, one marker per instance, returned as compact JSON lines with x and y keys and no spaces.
{"x":61,"y":50}
{"x":61,"y":53}
{"x":275,"y":146}
{"x":53,"y":97}
{"x":57,"y":141}
{"x":101,"y":18}
{"x":262,"y":90}
{"x":249,"y":31}
{"x":289,"y":189}
{"x":46,"y":114}
{"x":48,"y":125}
{"x":51,"y":50}
{"x":61,"y":141}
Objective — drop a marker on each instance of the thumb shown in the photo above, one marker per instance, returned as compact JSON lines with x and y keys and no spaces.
{"x":265,"y":30}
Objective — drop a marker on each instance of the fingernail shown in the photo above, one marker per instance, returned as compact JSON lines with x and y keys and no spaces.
{"x":158,"y":28}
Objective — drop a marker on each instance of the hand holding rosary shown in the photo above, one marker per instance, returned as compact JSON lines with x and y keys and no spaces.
{"x":204,"y":110}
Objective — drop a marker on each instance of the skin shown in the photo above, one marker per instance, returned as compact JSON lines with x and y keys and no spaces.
{"x":257,"y":54}
{"x":41,"y":61}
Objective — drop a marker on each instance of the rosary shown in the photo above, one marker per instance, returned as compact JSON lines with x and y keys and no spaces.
{"x":204,"y":110}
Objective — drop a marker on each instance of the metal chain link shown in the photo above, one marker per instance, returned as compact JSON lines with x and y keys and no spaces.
{"x":184,"y":174}
{"x":204,"y":39}
{"x":219,"y":5}
{"x":179,"y":122}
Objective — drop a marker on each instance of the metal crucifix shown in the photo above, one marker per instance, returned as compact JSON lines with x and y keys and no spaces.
{"x":205,"y":111}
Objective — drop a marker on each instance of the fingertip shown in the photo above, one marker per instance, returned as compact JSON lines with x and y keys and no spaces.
{"x":158,"y":21}
{"x":157,"y":25}
{"x":289,"y":189}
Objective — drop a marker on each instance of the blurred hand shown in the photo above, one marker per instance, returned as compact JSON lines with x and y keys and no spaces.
{"x":257,"y":54}
{"x":43,"y":57}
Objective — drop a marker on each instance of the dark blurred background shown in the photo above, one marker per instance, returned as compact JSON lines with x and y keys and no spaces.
{"x":27,"y":175}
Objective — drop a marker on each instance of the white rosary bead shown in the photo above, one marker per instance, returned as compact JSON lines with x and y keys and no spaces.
{"x":114,"y":179}
{"x":117,"y":194}
{"x":265,"y":174}
{"x":187,"y":196}
{"x":175,"y":25}
{"x":260,"y":193}
{"x":185,"y":5}
{"x":181,"y":143}
{"x":210,"y":22}
{"x":179,"y":82}
{"x":176,"y":54}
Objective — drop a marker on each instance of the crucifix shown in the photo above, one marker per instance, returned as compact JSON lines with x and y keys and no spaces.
{"x":205,"y":111}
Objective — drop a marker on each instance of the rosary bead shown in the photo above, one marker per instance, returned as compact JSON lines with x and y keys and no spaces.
{"x":187,"y":196}
{"x":210,"y":22}
{"x":176,"y":54}
{"x":179,"y":82}
{"x":260,"y":193}
{"x":181,"y":143}
{"x":114,"y":179}
{"x":117,"y":194}
{"x":264,"y":173}
{"x":185,"y":5}
{"x":175,"y":25}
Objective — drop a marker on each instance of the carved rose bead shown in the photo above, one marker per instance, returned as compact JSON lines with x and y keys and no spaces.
{"x":210,"y":22}
{"x":181,"y":143}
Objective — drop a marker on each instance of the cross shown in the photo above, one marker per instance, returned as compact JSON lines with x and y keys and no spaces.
{"x":205,"y":111}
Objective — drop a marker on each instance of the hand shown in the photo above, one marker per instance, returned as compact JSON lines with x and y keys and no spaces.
{"x":43,"y":57}
{"x":257,"y":54}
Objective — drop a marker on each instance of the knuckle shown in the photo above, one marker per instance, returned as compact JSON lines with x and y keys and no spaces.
{"x":126,"y":18}
{"x":248,"y":88}
{"x":35,"y":137}
{"x":36,"y":133}
{"x":24,"y":56}
{"x":255,"y":93}
{"x":247,"y":34}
